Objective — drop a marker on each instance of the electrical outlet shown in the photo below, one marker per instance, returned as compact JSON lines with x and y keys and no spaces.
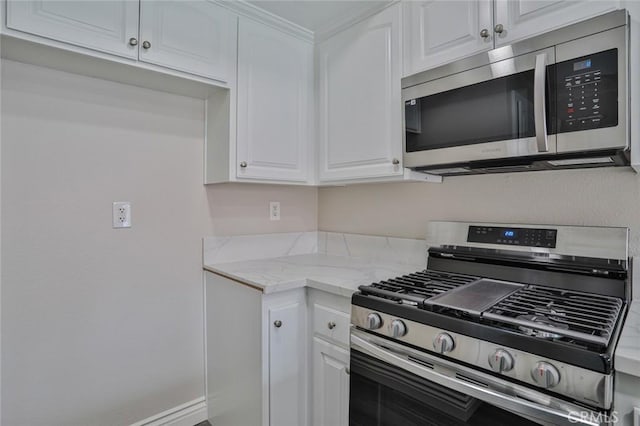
{"x":274,"y":210}
{"x":122,"y":214}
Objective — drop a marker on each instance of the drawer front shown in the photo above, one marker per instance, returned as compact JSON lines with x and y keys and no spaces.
{"x":331,"y":324}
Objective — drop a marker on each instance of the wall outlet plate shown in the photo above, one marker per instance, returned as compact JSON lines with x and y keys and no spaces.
{"x":274,"y":210}
{"x":122,"y":214}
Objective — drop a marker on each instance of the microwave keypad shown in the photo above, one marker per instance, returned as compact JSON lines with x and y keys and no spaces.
{"x":588,"y":92}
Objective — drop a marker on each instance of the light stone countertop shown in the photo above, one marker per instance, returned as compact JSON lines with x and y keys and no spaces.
{"x":339,"y":275}
{"x":342,"y":275}
{"x":627,"y":355}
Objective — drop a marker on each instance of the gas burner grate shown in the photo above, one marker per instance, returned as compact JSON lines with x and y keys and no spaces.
{"x":414,"y":288}
{"x":577,"y":316}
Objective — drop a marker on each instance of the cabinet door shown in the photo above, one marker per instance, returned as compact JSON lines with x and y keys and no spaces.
{"x":330,"y":384}
{"x":360,"y":110}
{"x":440,"y":31}
{"x":286,"y":365}
{"x":275,"y":84}
{"x":524,"y":18}
{"x":104,"y":25}
{"x":197,"y":37}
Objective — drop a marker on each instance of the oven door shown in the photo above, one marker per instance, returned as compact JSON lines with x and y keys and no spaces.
{"x":500,"y":110}
{"x":392,"y":384}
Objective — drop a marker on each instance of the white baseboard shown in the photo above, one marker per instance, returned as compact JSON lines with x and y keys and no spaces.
{"x":188,"y":414}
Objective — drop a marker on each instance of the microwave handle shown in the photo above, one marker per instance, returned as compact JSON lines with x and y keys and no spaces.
{"x":540,"y":102}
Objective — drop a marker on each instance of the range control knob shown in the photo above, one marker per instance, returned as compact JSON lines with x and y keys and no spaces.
{"x":397,"y":328}
{"x":443,"y":343}
{"x":501,"y":361}
{"x":545,"y":375}
{"x":374,"y":321}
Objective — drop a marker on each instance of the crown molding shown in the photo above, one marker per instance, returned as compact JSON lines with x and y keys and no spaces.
{"x":251,"y":11}
{"x":348,"y":21}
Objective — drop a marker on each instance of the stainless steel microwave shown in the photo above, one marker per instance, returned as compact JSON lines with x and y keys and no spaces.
{"x":558,"y":100}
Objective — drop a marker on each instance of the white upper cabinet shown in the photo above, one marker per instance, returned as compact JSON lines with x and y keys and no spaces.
{"x":360,"y":115}
{"x":197,"y":37}
{"x":105,"y":25}
{"x":440,"y":31}
{"x":275,"y":89}
{"x":519,"y":19}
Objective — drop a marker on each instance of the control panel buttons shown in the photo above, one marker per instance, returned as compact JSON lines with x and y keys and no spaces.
{"x":545,"y":375}
{"x":501,"y":361}
{"x":443,"y":343}
{"x":397,"y":328}
{"x":374,"y":321}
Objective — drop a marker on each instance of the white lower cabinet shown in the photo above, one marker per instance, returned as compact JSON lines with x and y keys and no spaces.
{"x":256,"y":350}
{"x":329,"y":325}
{"x":330,"y":384}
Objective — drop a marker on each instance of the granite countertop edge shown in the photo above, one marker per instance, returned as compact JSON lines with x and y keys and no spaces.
{"x":339,"y":275}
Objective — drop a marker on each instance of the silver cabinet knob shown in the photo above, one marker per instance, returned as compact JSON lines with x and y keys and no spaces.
{"x":243,"y":164}
{"x":499,"y":29}
{"x":397,"y":328}
{"x":277,"y":323}
{"x":501,"y":361}
{"x":146,"y":44}
{"x":331,"y":325}
{"x":484,"y":33}
{"x":346,"y":370}
{"x":545,"y":375}
{"x":374,"y":321}
{"x":133,"y":41}
{"x":443,"y":343}
{"x":395,"y":161}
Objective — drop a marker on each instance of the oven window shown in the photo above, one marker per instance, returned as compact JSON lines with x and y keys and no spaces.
{"x":495,"y":110}
{"x":384,"y":395}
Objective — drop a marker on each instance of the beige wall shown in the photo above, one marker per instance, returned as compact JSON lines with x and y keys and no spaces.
{"x":603,"y":197}
{"x":104,"y":326}
{"x":241,"y":208}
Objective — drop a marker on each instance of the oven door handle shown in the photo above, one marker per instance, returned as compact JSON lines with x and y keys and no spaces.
{"x":540,"y":102}
{"x":398,"y":356}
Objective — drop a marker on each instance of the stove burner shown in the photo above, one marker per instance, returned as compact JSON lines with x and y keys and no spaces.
{"x":542,"y":320}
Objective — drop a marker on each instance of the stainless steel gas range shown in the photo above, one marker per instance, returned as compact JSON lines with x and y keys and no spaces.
{"x":509,"y":324}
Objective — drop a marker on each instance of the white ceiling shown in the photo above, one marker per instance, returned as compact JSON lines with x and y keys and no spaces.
{"x":317,"y":14}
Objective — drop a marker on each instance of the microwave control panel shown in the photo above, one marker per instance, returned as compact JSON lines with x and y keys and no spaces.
{"x":588,"y":92}
{"x":531,"y":237}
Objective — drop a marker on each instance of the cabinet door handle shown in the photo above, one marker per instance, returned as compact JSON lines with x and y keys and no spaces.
{"x":331,"y":325}
{"x":395,"y":161}
{"x":346,"y":370}
{"x":133,"y":41}
{"x":277,"y":323}
{"x":499,"y":28}
{"x":146,"y":44}
{"x":484,"y":33}
{"x":243,"y":164}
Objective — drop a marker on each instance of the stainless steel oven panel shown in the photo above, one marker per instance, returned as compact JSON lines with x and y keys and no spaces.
{"x":608,"y":137}
{"x":589,"y":387}
{"x":488,"y":150}
{"x":584,"y":241}
{"x":500,"y":393}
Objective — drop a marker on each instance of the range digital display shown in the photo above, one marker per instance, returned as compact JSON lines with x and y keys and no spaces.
{"x":531,"y":237}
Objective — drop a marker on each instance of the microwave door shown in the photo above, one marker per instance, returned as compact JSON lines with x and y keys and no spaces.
{"x":490,"y":112}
